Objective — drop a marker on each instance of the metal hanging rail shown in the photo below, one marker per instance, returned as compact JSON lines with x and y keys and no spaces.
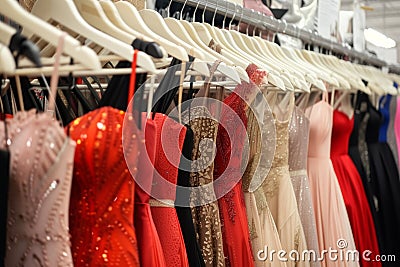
{"x":261,"y":21}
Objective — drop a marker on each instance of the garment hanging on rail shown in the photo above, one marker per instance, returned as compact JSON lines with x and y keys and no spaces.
{"x":228,"y":172}
{"x":298,"y":148}
{"x":101,"y":208}
{"x":330,"y":211}
{"x":38,"y":212}
{"x":352,"y":188}
{"x":384,"y":179}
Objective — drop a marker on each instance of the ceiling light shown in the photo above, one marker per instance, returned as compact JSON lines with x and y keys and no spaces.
{"x":378,"y":39}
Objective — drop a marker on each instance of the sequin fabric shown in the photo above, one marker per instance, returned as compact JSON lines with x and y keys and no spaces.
{"x":206,"y":217}
{"x":40,"y":183}
{"x":363,"y":147}
{"x":298,"y":151}
{"x":101,"y":206}
{"x":278,"y":189}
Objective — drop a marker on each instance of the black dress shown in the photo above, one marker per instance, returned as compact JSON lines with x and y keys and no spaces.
{"x":383,"y":182}
{"x":357,"y":147}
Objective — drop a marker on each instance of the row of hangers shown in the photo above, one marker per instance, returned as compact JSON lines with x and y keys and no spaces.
{"x":109,"y":30}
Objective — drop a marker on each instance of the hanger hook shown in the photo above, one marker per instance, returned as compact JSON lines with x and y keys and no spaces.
{"x":215,"y":13}
{"x":195,"y":10}
{"x":180,"y":14}
{"x":226,"y":13}
{"x":233,"y":18}
{"x":285,"y":24}
{"x":240,"y":18}
{"x":248,"y":24}
{"x":297,"y":30}
{"x":204,"y":11}
{"x":168,"y":8}
{"x":260,"y":21}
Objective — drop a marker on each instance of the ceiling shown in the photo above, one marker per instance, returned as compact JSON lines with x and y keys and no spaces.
{"x":385,"y":17}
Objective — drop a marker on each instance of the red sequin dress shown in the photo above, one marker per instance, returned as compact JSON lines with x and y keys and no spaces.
{"x":168,"y":142}
{"x":101,"y":206}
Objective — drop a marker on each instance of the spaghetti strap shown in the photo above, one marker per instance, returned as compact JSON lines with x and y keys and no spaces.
{"x":325,"y":96}
{"x":55,"y":73}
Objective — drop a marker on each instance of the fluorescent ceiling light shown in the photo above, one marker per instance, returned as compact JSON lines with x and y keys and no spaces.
{"x":378,"y":39}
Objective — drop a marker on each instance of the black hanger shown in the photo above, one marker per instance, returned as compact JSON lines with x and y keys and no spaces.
{"x":23,"y":46}
{"x":150,"y":48}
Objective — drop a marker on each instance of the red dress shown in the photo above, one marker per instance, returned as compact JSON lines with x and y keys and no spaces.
{"x":228,"y":172}
{"x":352,"y":189}
{"x":150,"y":250}
{"x":168,"y":142}
{"x":101,"y":205}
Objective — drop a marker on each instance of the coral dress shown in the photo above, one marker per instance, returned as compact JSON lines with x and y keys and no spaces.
{"x":101,"y":206}
{"x":352,"y":188}
{"x":169,"y":141}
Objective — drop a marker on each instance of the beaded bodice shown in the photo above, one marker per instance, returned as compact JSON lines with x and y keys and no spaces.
{"x":101,"y":207}
{"x":40,"y":183}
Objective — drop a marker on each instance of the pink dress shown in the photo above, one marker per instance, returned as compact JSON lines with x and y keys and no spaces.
{"x":331,"y":217}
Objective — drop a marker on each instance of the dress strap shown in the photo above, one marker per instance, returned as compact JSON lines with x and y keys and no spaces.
{"x":325,"y":96}
{"x":55,"y":73}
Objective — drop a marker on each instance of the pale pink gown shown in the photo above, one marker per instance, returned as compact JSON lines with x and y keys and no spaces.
{"x":330,"y":211}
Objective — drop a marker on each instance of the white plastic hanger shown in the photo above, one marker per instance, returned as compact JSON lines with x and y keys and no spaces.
{"x":92,"y":12}
{"x":65,"y":13}
{"x":7,"y":33}
{"x":113,"y":15}
{"x":32,"y":24}
{"x":132,"y":18}
{"x":7,"y":63}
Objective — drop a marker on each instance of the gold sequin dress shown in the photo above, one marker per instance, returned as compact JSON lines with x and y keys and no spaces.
{"x":278,"y":190}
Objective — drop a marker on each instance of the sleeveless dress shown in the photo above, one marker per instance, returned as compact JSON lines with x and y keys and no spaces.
{"x":298,"y":148}
{"x":261,"y":224}
{"x":149,"y":245}
{"x":40,"y":179}
{"x":330,"y":211}
{"x":206,"y":217}
{"x":228,"y":172}
{"x":101,"y":206}
{"x":182,"y":203}
{"x":358,"y":152}
{"x":384,"y":176}
{"x":278,"y":190}
{"x":169,"y":141}
{"x":352,"y":188}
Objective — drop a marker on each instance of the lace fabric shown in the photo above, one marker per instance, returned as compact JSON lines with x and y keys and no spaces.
{"x":40,"y":183}
{"x":231,"y":143}
{"x":101,"y":209}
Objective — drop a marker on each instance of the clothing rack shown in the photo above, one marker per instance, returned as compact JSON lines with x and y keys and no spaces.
{"x":261,"y":21}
